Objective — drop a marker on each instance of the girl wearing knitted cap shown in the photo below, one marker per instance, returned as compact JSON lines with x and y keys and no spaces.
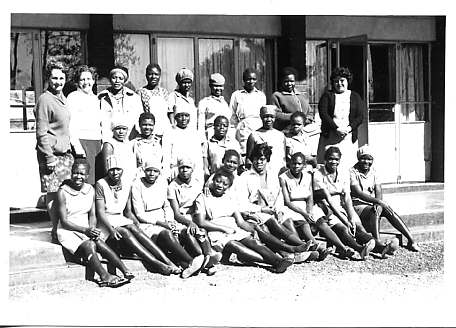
{"x":182,"y":141}
{"x":180,"y":100}
{"x":214,"y":105}
{"x":156,"y":216}
{"x":117,"y":221}
{"x":121,"y":147}
{"x":332,"y":188}
{"x":119,"y":99}
{"x":368,"y":200}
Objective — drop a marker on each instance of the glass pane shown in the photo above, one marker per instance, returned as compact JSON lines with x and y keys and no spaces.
{"x":216,"y":56}
{"x":316,"y":68}
{"x":381,"y":82}
{"x":382,"y":73}
{"x":62,"y":46}
{"x":22,"y":92}
{"x":133,"y":52}
{"x":174,"y":54}
{"x":414,"y":80}
{"x":252,"y":54}
{"x":381,"y":112}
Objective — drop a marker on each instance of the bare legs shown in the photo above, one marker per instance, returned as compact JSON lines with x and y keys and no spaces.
{"x":52,"y":211}
{"x":147,"y":250}
{"x":250,"y":251}
{"x":88,"y":250}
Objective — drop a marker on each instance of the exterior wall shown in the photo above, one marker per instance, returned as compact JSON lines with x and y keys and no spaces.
{"x":200,"y":24}
{"x":438,"y":106}
{"x":375,"y":27}
{"x":24,"y":188}
{"x":66,"y":21}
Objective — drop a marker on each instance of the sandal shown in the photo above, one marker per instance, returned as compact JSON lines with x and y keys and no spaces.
{"x":194,"y":266}
{"x":117,"y":282}
{"x":413,"y":247}
{"x":129,"y":275}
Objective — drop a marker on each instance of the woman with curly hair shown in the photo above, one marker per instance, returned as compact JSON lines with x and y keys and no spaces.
{"x":341,"y":111}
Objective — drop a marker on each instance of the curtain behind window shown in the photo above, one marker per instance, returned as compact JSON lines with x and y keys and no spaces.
{"x":316,"y":67}
{"x":216,"y":56}
{"x":252,"y":54}
{"x":174,"y":54}
{"x":413,"y":59}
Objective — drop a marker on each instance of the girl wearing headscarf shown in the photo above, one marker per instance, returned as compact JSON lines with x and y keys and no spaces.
{"x":368,"y":200}
{"x":121,"y":147}
{"x":119,"y":99}
{"x":180,"y":100}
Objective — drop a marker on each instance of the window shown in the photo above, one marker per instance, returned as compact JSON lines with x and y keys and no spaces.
{"x":133,"y":52}
{"x":382,"y":82}
{"x":229,"y":56}
{"x":216,"y":56}
{"x":61,"y":46}
{"x":172,"y":55}
{"x":30,"y":51}
{"x":316,"y":70}
{"x":22,"y":91}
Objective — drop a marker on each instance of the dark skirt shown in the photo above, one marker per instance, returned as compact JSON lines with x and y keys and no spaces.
{"x":91,"y":148}
{"x":51,"y":181}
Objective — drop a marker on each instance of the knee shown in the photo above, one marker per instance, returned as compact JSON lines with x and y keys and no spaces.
{"x":89,"y":247}
{"x":125,"y":232}
{"x":165,"y":234}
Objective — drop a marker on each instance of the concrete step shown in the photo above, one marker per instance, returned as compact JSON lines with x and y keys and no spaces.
{"x":423,"y":233}
{"x":63,"y":272}
{"x":389,"y":188}
{"x":420,"y":219}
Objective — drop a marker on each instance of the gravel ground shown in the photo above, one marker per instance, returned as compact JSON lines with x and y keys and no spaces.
{"x":404,"y":289}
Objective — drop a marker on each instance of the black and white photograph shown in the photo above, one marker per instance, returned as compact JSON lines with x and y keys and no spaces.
{"x":253,"y":165}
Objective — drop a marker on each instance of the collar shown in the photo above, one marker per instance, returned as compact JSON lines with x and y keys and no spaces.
{"x":290,"y":93}
{"x":60,"y":97}
{"x":84,"y":190}
{"x":224,"y":140}
{"x":180,"y":95}
{"x":298,"y":136}
{"x":182,"y":183}
{"x":217,"y":98}
{"x":245,"y":91}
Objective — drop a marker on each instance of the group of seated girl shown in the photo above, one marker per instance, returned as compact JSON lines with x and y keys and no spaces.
{"x":183,"y":212}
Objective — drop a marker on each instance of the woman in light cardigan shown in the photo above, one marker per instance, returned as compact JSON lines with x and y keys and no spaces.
{"x":85,"y":124}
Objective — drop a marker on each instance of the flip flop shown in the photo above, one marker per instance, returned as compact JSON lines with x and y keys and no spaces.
{"x":129,"y":275}
{"x":118,"y":283}
{"x":113,"y":284}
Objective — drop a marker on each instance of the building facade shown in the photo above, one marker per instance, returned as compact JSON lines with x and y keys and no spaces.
{"x":398,"y":64}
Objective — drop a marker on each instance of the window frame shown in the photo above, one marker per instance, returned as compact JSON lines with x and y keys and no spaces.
{"x":270,"y":78}
{"x":428,"y":103}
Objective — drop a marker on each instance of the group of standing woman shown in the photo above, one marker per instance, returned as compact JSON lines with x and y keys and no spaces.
{"x":154,"y":171}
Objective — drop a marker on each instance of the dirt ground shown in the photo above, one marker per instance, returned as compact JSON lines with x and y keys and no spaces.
{"x":406,"y":289}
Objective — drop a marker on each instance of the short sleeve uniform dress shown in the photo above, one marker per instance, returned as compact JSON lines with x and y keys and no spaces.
{"x":220,"y":210}
{"x":78,"y":205}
